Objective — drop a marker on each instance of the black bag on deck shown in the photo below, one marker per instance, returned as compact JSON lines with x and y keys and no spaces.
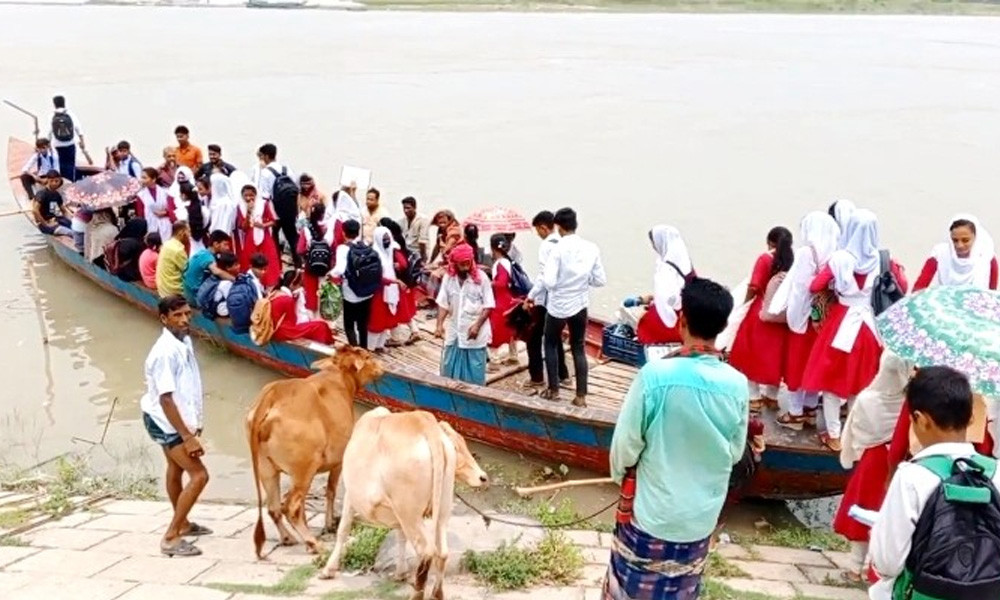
{"x":956,"y":545}
{"x":886,"y":290}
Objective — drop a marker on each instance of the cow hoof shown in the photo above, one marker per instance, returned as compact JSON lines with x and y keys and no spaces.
{"x":328,"y":574}
{"x":288,"y":541}
{"x":401,"y":577}
{"x":314,"y":547}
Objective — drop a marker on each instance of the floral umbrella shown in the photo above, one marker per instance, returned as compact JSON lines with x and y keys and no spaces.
{"x":104,"y":190}
{"x":958,"y":327}
{"x":498,"y":220}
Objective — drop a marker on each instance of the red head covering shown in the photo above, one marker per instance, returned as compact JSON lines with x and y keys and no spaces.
{"x":463,"y":253}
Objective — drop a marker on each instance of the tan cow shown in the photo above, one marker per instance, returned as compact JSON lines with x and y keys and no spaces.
{"x":300,"y":427}
{"x":399,"y":471}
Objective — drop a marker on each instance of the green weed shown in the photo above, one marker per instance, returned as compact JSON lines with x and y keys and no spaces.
{"x":553,"y":560}
{"x":292,"y":584}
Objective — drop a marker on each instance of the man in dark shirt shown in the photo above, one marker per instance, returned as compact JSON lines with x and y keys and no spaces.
{"x":215,"y":164}
{"x":48,"y":207}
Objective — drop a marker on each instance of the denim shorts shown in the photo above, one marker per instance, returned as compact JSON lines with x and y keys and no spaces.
{"x":167,"y":440}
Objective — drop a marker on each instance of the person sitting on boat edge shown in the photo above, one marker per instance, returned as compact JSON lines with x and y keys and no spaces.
{"x":100,"y":231}
{"x":287,"y":326}
{"x":149,"y":257}
{"x":202,"y":264}
{"x":172,"y":261}
{"x":671,"y":497}
{"x":415,"y":227}
{"x":48,"y":208}
{"x":466,"y":300}
{"x":37,"y":167}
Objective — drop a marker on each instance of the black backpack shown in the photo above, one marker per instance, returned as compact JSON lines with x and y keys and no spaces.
{"x":205,"y":297}
{"x":886,"y":290}
{"x":364,"y":269}
{"x":62,"y":127}
{"x":955,"y":553}
{"x":520,"y":283}
{"x":318,"y":255}
{"x":414,"y":270}
{"x":285,"y":192}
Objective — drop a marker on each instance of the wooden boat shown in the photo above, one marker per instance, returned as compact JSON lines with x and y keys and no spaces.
{"x":499,"y":414}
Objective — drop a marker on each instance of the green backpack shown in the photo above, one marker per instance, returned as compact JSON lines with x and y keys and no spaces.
{"x":955,"y":554}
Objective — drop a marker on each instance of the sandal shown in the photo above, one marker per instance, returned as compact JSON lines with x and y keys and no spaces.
{"x":549,"y":394}
{"x":512,"y":361}
{"x":756,"y":404}
{"x":769,"y":402}
{"x":182,"y":548}
{"x":195,"y":529}
{"x":414,"y":338}
{"x":793,"y":422}
{"x":809,"y":417}
{"x":830,"y":443}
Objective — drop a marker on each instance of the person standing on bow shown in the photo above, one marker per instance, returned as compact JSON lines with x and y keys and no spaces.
{"x":968,"y":257}
{"x":466,"y":301}
{"x":671,"y":497}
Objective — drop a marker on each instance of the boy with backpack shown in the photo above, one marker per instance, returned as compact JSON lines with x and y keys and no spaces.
{"x":214,"y":290}
{"x":65,"y":134}
{"x":277,"y":184}
{"x":359,"y":271}
{"x":937,"y":536}
{"x":244,"y":293}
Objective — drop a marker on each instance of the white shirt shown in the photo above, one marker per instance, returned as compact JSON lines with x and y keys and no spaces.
{"x":257,"y":285}
{"x":265,"y":179}
{"x":892,"y":534}
{"x":465,"y":303}
{"x":338,"y":271}
{"x":537,"y":293}
{"x":415,"y":232}
{"x":171,"y":368}
{"x":41,"y":163}
{"x":221,"y":293}
{"x":76,"y":131}
{"x":572,"y":268}
{"x":130,"y":166}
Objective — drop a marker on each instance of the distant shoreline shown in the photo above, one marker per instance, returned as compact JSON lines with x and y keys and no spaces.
{"x":783,"y":7}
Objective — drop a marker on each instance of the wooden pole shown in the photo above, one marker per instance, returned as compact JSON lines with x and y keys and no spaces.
{"x":524,"y":492}
{"x":11,"y":213}
{"x":29,"y":113}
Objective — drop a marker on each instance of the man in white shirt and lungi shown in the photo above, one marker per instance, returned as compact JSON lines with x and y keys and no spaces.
{"x":466,"y":300}
{"x":172,"y":412}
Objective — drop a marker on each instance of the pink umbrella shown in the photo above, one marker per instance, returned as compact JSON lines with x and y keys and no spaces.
{"x":498,"y":220}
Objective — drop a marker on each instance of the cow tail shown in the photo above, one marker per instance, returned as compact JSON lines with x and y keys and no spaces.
{"x":255,"y":423}
{"x":439,"y":466}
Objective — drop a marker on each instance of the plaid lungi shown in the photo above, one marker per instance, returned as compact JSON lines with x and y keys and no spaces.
{"x":646,"y":568}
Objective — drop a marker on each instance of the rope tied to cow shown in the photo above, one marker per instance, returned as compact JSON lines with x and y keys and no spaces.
{"x":487,"y":519}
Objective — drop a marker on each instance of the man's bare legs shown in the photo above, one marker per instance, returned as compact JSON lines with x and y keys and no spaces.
{"x":174,"y":481}
{"x":187,"y":495}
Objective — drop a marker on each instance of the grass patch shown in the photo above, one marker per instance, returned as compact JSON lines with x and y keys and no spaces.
{"x":553,"y":560}
{"x":362,"y":548}
{"x":718,"y":566}
{"x":800,"y":537}
{"x":383,"y":590}
{"x":10,"y":519}
{"x":292,"y":584}
{"x":12,"y":540}
{"x":714,"y":590}
{"x":554,"y":515}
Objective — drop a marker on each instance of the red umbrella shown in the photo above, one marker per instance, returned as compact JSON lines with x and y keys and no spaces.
{"x":104,"y":190}
{"x":498,"y":220}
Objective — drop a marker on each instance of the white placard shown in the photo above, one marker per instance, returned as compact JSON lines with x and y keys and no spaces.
{"x":359,"y":177}
{"x":660,"y":351}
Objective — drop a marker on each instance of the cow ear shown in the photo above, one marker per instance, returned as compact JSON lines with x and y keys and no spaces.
{"x":359,"y":363}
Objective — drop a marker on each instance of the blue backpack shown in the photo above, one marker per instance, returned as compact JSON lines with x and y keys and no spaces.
{"x":240,"y":302}
{"x":205,"y":297}
{"x":520,"y":283}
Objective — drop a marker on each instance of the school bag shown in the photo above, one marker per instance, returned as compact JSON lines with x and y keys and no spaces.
{"x":240,"y":302}
{"x":886,"y":290}
{"x":285,"y":192}
{"x":206,"y":297}
{"x":62,"y":127}
{"x":364,"y":269}
{"x":414,"y":270}
{"x":955,"y":552}
{"x":520,"y":283}
{"x":261,"y":326}
{"x":319,"y":254}
{"x":772,"y":288}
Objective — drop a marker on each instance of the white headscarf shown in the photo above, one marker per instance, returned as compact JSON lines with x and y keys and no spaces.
{"x":667,"y":282}
{"x":818,"y":236}
{"x":860,"y":253}
{"x":175,"y":187}
{"x":972,"y":270}
{"x":344,"y":207}
{"x":223,"y":206}
{"x":237,"y":181}
{"x":842,"y":211}
{"x":257,"y":217}
{"x":390,"y":292}
{"x":872,"y":420}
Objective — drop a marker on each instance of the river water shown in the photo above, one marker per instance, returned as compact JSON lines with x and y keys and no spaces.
{"x":721,"y":125}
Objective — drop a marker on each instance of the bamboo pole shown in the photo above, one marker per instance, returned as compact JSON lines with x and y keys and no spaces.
{"x":11,"y":213}
{"x":524,"y":492}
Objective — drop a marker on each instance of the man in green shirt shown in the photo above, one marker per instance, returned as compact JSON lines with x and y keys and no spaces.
{"x":172,"y":261}
{"x":681,"y":429}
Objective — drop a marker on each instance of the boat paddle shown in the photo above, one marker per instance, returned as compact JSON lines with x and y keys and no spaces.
{"x":29,"y":113}
{"x":525,"y":492}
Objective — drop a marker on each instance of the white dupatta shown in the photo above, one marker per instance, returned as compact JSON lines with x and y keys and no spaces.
{"x":859,"y":256}
{"x":972,"y":270}
{"x":223,"y":206}
{"x":390,"y":291}
{"x":872,"y":419}
{"x":667,"y":282}
{"x":157,"y":200}
{"x":819,"y":235}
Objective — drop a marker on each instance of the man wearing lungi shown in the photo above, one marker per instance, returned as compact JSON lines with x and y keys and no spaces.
{"x":681,"y":429}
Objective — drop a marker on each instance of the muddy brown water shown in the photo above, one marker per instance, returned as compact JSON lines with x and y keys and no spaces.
{"x":723,"y":125}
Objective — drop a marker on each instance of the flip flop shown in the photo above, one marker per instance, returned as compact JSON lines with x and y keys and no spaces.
{"x":548,"y":394}
{"x":195,"y":529}
{"x":182,"y":548}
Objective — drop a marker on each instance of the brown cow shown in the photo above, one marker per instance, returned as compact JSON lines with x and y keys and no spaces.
{"x":400,"y":470}
{"x":300,"y":427}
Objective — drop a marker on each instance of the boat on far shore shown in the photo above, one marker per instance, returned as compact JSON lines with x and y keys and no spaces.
{"x":501,"y":413}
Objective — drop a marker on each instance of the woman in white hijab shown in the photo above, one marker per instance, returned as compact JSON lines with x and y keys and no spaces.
{"x":845,"y":357}
{"x":222,"y":206}
{"x":841,"y":211}
{"x":968,"y":257}
{"x":673,"y":270}
{"x":866,"y":437}
{"x":385,"y":303}
{"x":819,"y":236}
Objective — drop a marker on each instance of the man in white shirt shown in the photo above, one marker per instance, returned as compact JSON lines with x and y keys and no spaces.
{"x":545,"y":227}
{"x":357,"y":309}
{"x":284,"y":200}
{"x":128,"y":164}
{"x":940,"y":403}
{"x":372,"y":215}
{"x":38,"y":165}
{"x":466,"y":296}
{"x":416,"y":227}
{"x":572,"y":268}
{"x":173,"y":413}
{"x":65,"y":134}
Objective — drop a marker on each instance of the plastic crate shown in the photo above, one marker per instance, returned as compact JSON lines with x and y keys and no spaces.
{"x":621,"y":348}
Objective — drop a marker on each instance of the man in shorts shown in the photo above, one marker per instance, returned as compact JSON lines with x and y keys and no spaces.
{"x":172,"y":411}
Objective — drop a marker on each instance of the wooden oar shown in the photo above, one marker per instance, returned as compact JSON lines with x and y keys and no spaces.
{"x":524,"y":492}
{"x":11,"y":213}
